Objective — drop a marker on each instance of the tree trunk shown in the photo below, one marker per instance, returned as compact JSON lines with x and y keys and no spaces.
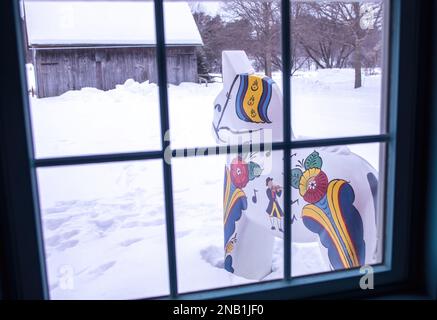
{"x":267,"y":37}
{"x":357,"y":63}
{"x":268,"y":62}
{"x":358,"y":37}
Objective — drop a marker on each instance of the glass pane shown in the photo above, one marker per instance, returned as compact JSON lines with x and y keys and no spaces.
{"x":229,"y":219}
{"x":338,"y":73}
{"x":104,"y":230}
{"x":224,"y":69}
{"x":91,"y":71}
{"x":337,"y":211}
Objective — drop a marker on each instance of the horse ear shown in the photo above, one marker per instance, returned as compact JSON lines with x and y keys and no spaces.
{"x":233,"y":63}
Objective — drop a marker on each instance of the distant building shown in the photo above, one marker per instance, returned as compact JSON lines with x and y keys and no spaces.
{"x":75,"y":44}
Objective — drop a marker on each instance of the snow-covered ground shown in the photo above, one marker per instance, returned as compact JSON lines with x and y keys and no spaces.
{"x":104,"y":224}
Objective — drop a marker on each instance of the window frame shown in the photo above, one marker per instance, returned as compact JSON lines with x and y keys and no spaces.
{"x":22,"y":251}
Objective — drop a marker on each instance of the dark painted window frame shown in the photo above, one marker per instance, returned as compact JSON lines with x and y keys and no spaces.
{"x":22,"y":264}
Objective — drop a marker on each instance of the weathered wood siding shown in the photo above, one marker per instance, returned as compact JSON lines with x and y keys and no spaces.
{"x":61,"y":70}
{"x":181,"y":65}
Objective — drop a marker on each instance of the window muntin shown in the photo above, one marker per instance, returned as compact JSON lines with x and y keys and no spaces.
{"x":147,"y":155}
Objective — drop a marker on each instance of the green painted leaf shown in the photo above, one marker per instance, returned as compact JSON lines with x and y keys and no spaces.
{"x":255,"y":170}
{"x":296,"y":174}
{"x":313,"y":161}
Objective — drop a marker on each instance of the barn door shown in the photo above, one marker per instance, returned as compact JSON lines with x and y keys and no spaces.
{"x":85,"y":68}
{"x":59,"y":71}
{"x":175,"y":69}
{"x":48,"y":79}
{"x":181,"y":65}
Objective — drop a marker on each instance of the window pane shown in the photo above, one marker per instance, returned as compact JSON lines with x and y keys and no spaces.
{"x":104,"y":230}
{"x":338,"y":71}
{"x":229,"y":221}
{"x":223,"y":68}
{"x":91,"y":71}
{"x":337,"y":211}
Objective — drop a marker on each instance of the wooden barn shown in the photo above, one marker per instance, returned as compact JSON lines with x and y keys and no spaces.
{"x":77,"y":44}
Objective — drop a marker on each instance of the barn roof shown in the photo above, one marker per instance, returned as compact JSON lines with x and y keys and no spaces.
{"x":100,"y":23}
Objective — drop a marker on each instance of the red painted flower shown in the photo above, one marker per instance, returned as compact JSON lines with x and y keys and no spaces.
{"x":239,"y":172}
{"x":313,"y":185}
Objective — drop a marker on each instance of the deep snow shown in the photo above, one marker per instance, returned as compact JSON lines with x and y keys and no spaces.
{"x":104,"y":224}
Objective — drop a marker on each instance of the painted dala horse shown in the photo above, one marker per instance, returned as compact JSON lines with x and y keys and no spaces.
{"x":334,"y":191}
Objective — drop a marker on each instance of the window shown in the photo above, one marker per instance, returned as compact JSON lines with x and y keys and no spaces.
{"x":172,"y":191}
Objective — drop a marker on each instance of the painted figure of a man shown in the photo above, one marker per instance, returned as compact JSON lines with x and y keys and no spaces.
{"x":274,"y":210}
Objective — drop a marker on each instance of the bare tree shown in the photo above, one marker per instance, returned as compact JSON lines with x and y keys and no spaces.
{"x":264,"y":18}
{"x":209,"y":28}
{"x":322,"y":40}
{"x":218,"y":35}
{"x":359,"y":19}
{"x":332,"y":34}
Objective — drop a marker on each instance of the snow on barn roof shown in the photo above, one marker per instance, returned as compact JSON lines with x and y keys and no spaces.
{"x":76,"y":23}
